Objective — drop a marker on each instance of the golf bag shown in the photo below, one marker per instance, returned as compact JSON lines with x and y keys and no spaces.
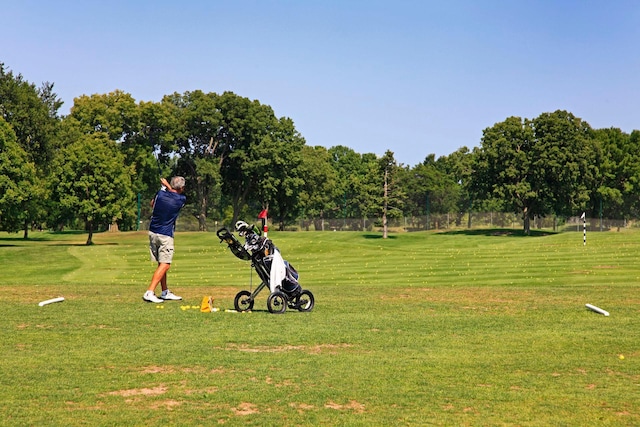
{"x":276,"y":274}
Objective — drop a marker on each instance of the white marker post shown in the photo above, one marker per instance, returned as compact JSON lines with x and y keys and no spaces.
{"x":584,"y":228}
{"x":597,"y":309}
{"x":50,"y":301}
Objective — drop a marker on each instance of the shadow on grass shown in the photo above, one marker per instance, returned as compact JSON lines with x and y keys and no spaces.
{"x":377,"y":236}
{"x":499,"y":232}
{"x":85,"y":244}
{"x":37,"y":236}
{"x":22,"y":239}
{"x":51,"y":240}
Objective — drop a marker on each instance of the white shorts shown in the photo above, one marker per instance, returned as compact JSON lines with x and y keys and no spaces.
{"x":161,"y":248}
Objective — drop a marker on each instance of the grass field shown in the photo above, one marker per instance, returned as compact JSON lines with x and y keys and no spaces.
{"x":460,"y":328}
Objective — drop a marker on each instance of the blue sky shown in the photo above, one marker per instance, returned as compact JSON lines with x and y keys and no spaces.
{"x":413,"y":77}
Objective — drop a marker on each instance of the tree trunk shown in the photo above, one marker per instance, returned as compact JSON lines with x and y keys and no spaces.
{"x":384,"y":209}
{"x":90,"y":238}
{"x":527,"y":221}
{"x":202,"y":217}
{"x":26,"y":229}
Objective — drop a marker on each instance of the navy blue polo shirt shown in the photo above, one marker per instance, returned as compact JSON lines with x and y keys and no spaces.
{"x":166,"y":208}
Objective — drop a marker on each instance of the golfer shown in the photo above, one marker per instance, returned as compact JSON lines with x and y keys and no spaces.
{"x":166,"y":207}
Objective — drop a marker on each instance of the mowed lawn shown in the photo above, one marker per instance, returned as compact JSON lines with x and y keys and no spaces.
{"x":482,"y":327}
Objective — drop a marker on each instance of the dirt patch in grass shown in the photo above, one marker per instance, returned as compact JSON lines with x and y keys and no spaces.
{"x":168,"y":369}
{"x":166,"y":404}
{"x":479,"y":298}
{"x":491,"y":300}
{"x":309,"y":349}
{"x":301,"y":407}
{"x":354,"y":406}
{"x":154,"y":391}
{"x":245,"y":408}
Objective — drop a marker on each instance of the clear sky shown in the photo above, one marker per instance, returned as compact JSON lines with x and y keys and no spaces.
{"x":415,"y":77}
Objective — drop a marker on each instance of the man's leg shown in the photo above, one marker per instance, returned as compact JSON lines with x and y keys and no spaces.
{"x":159,"y":276}
{"x":166,"y":293}
{"x":162,"y":251}
{"x":163,"y":281}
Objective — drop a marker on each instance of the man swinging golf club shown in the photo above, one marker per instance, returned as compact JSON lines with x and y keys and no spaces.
{"x":166,"y":206}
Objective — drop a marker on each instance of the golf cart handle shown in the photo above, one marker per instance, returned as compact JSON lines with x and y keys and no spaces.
{"x":234,"y":245}
{"x":223,"y":234}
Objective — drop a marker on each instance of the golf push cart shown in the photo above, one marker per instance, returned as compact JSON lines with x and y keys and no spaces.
{"x":275,"y":273}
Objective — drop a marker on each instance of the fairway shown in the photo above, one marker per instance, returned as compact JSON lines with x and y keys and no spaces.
{"x":481,"y":327}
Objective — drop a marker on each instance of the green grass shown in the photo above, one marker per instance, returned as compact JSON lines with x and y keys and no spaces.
{"x":461,"y":328}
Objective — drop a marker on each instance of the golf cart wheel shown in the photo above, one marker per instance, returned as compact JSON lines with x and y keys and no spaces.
{"x":305,"y":301}
{"x":277,"y":302}
{"x":243,"y":301}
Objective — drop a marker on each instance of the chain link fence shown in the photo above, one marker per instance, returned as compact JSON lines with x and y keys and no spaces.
{"x":440,"y":222}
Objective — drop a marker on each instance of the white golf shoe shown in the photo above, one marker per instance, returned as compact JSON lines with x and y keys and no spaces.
{"x":151,"y":297}
{"x":169,"y":296}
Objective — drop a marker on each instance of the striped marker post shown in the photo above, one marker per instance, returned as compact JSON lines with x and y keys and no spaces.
{"x":584,"y":229}
{"x":263,"y":217}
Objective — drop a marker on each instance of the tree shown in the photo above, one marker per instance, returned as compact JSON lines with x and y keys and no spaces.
{"x":430,"y":187}
{"x":536,"y":167}
{"x":245,"y":125}
{"x":618,"y":182}
{"x":320,"y":192}
{"x":20,"y":188}
{"x":32,"y":114}
{"x":458,"y":166}
{"x":392,"y":194}
{"x":276,"y":160}
{"x":115,"y":114}
{"x":151,"y":150}
{"x":360,"y":183}
{"x":197,"y":121}
{"x":564,"y":156}
{"x":139,"y":131}
{"x":90,"y":179}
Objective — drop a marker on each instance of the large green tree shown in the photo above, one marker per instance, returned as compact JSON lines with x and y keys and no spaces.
{"x":197,"y":121}
{"x":19,"y":183}
{"x":32,"y":114}
{"x":91,"y":181}
{"x":233,"y":149}
{"x":360,"y":183}
{"x":277,"y":160}
{"x":536,"y":167}
{"x":618,"y":181}
{"x":115,"y":114}
{"x":430,"y":188}
{"x":565,"y":158}
{"x":143,"y":133}
{"x":245,"y":125}
{"x":320,"y":194}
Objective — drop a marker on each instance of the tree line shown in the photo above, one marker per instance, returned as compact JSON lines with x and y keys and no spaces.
{"x":99,"y":166}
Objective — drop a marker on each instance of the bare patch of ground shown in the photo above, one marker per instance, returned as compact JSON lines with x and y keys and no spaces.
{"x":353,"y":405}
{"x":154,"y":391}
{"x":245,"y":408}
{"x":310,"y":349}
